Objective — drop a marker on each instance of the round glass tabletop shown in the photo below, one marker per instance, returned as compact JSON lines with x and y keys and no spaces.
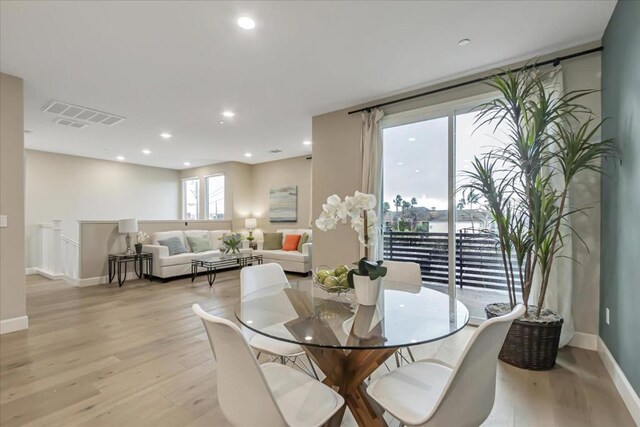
{"x":304,"y":314}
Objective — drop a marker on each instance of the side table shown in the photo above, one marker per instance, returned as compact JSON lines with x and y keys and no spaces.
{"x":141,"y":262}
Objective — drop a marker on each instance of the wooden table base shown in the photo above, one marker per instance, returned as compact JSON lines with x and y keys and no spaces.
{"x":346,"y":372}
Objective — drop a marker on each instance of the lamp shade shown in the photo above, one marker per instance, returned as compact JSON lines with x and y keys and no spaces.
{"x":128,"y":226}
{"x":250,"y":223}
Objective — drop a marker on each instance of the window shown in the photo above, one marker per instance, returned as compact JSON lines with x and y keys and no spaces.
{"x":215,"y":197}
{"x":190,"y":198}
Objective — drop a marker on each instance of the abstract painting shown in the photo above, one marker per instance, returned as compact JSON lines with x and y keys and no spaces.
{"x":283,"y":204}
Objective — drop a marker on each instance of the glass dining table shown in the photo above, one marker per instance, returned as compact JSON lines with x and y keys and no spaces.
{"x":349,"y":341}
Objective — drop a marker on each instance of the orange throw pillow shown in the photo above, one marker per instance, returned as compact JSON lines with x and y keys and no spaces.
{"x":291,"y":242}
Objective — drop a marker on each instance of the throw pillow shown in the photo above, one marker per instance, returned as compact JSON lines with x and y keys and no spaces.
{"x":199,"y":243}
{"x":291,"y":242}
{"x":272,"y":241}
{"x":175,"y":246}
{"x":303,"y":239}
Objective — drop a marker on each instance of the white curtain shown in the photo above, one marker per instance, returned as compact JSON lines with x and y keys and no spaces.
{"x":560,"y":289}
{"x":371,"y":152}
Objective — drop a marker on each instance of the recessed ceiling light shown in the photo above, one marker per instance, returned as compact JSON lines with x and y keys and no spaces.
{"x":187,"y":164}
{"x":412,"y":139}
{"x":306,"y":142}
{"x":146,"y":151}
{"x":120,"y":158}
{"x":228,"y":113}
{"x":417,"y":170}
{"x":400,"y":163}
{"x":221,"y":122}
{"x":246,"y":23}
{"x":464,"y":42}
{"x":247,"y":154}
{"x":165,"y":135}
{"x":308,"y":338}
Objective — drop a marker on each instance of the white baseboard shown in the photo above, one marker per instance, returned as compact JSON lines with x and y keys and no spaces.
{"x":585,"y":341}
{"x":37,"y":270}
{"x":101,"y":280}
{"x":14,"y":324}
{"x":628,"y":394}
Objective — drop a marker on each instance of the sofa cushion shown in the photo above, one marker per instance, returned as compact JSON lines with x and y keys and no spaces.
{"x":199,"y":243}
{"x":294,"y":256}
{"x":199,"y":233}
{"x":272,"y":241}
{"x":291,"y":242}
{"x":163,"y":235}
{"x":308,"y":231}
{"x":184,"y":258}
{"x":304,"y":238}
{"x":174,"y":244}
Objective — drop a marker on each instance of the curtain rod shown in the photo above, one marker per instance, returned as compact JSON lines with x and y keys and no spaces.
{"x":555,"y":62}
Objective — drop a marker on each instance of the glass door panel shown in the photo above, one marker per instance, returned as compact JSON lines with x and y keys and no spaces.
{"x":415,"y":197}
{"x":480,"y":278}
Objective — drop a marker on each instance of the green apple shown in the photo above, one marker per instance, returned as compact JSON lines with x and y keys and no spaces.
{"x":321,"y":275}
{"x":330,"y":281}
{"x":342,"y":269}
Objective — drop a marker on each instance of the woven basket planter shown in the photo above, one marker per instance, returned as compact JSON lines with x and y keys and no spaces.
{"x":531,"y":343}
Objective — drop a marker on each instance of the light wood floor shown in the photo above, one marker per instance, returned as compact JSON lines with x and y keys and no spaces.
{"x":137,"y":356}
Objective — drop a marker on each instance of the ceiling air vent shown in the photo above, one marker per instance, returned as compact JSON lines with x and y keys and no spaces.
{"x":81,"y":113}
{"x":276,"y":151}
{"x":70,"y":123}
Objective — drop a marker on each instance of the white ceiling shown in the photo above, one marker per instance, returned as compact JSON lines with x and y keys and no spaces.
{"x":175,"y":66}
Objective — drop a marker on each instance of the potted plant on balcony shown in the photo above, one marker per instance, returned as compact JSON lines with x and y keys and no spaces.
{"x":366,"y":278}
{"x":550,"y":139}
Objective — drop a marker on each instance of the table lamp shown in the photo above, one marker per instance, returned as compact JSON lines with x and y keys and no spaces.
{"x":128,"y":226}
{"x":251,"y":224}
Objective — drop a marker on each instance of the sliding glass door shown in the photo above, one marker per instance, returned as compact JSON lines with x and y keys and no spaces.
{"x":428,"y":216}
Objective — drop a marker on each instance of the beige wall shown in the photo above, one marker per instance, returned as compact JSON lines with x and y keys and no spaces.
{"x":12,"y":283}
{"x":337,"y":132}
{"x":72,"y":188}
{"x":295,"y":171}
{"x":100,"y":238}
{"x":247,"y":189}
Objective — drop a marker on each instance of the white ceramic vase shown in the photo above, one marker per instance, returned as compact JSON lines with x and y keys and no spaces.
{"x":367,"y":290}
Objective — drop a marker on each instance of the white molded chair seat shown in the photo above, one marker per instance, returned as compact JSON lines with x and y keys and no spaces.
{"x":269,"y":395}
{"x":253,"y":279}
{"x":413,"y":391}
{"x":303,"y":400}
{"x":433,"y":393}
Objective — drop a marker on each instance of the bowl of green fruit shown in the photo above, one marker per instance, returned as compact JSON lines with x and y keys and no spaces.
{"x":330,"y":279}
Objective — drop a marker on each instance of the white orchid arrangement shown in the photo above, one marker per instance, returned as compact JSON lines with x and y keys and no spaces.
{"x":359,"y":208}
{"x":142,"y":237}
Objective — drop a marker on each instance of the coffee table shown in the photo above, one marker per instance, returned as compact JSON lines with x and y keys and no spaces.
{"x":212,"y":263}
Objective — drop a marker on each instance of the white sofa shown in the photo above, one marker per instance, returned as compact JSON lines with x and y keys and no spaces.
{"x":294,"y":261}
{"x":165,"y":266}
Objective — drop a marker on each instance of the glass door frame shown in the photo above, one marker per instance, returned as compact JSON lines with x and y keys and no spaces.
{"x":447,"y":109}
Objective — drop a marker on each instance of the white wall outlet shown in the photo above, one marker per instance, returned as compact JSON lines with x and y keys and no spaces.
{"x":3,"y":221}
{"x":606,"y":315}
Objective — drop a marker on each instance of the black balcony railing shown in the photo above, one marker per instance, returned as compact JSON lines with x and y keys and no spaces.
{"x":478,"y":258}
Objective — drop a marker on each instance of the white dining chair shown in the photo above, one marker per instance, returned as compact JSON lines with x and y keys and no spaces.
{"x":406,"y":277}
{"x":271,"y":394}
{"x":253,"y":279}
{"x":434,"y":393}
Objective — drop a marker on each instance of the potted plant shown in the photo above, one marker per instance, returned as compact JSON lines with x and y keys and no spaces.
{"x":231,"y":243}
{"x":549,"y":139}
{"x":366,"y":278}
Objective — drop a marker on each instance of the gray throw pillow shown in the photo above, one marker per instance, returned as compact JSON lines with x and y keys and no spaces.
{"x":199,"y":243}
{"x":304,"y":239}
{"x":175,"y":246}
{"x":272,"y":241}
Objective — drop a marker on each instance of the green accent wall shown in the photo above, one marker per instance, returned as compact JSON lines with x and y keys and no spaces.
{"x":620,"y":230}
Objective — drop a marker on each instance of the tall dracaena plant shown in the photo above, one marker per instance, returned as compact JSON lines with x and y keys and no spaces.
{"x":549,"y":139}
